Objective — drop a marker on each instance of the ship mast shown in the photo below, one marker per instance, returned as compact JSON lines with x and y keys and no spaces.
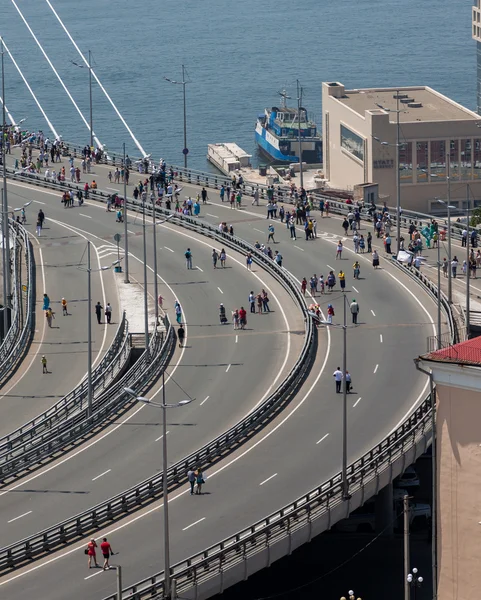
{"x":284,"y":97}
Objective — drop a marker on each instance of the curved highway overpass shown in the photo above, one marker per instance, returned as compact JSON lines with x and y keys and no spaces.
{"x":299,"y":449}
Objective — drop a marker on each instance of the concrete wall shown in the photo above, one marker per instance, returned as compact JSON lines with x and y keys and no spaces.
{"x":459,"y":492}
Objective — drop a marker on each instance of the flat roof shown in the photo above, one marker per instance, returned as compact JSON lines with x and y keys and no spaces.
{"x":434,"y":106}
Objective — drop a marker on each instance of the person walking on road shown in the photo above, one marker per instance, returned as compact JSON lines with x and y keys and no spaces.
{"x":46,"y":302}
{"x":348,"y":382}
{"x":339,"y":250}
{"x":181,"y":336}
{"x":271,"y":234}
{"x":445,"y":267}
{"x":199,"y":479}
{"x":454,"y":266}
{"x":330,"y":313}
{"x":98,"y":312}
{"x":215,"y":258}
{"x":188,"y":258}
{"x":252,"y":302}
{"x":91,"y":553}
{"x":222,"y":258}
{"x":49,"y":315}
{"x":375,"y":259}
{"x":354,"y":307}
{"x":338,"y":378}
{"x":108,"y":312}
{"x":342,"y":280}
{"x":178,"y":312}
{"x":191,"y":477}
{"x":64,"y":307}
{"x":44,"y":365}
{"x":107,"y":552}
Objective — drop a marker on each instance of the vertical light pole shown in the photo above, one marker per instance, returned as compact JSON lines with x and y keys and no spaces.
{"x":146,"y":301}
{"x":6,"y":231}
{"x":185,"y":151}
{"x":449,"y":207}
{"x":439,"y":295}
{"x":156,"y":284}
{"x":5,"y":272}
{"x":468,"y":270}
{"x":406,"y":547}
{"x":91,"y":118}
{"x":89,"y":271}
{"x":119,"y":582}
{"x":165,"y":487}
{"x":397,"y":145}
{"x":126,"y":246}
{"x":91,"y":123}
{"x":299,"y":102}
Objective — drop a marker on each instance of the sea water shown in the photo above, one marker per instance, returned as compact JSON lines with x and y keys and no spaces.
{"x":238,"y":56}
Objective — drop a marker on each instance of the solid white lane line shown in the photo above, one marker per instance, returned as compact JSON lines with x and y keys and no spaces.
{"x":376,"y":368}
{"x":380,"y":337}
{"x":203,"y":401}
{"x":220,"y":290}
{"x":373,"y":313}
{"x":322,"y":439}
{"x":329,"y":267}
{"x":159,"y":438}
{"x":38,"y":202}
{"x":169,"y":249}
{"x":86,"y":216}
{"x":97,"y":573}
{"x":209,"y":215}
{"x":194,"y":523}
{"x":199,"y":269}
{"x":356,"y":403}
{"x":19,"y":517}
{"x":268,"y":479}
{"x":101,"y":474}
{"x":355,"y":289}
{"x":236,"y":339}
{"x":227,"y":368}
{"x":299,"y":248}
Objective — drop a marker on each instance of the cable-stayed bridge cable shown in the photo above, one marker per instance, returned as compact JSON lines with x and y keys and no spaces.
{"x":49,"y":123}
{"x":136,"y":141}
{"x":97,"y":141}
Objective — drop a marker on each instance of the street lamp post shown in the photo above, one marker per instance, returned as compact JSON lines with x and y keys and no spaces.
{"x":146,"y":300}
{"x":89,"y":271}
{"x":91,"y":119}
{"x":345,"y":484}
{"x":397,"y":110}
{"x":414,"y":581}
{"x":185,"y":151}
{"x":468,"y":270}
{"x":449,"y":207}
{"x":299,"y":102}
{"x":6,"y":231}
{"x":165,"y":488}
{"x":126,"y":246}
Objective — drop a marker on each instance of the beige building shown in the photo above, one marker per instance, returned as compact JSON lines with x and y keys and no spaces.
{"x":440,"y":142}
{"x":457,"y":374}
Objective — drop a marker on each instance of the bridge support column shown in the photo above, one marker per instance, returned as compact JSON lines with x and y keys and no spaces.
{"x":384,"y":511}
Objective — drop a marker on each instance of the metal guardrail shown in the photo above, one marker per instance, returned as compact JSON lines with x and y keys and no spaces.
{"x":103,"y":375}
{"x":314,"y":505}
{"x":76,"y":427}
{"x":78,"y":526}
{"x":16,"y":342}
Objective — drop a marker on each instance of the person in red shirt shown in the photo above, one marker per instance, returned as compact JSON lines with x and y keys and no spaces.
{"x":91,"y":546}
{"x":107,"y":552}
{"x":242,"y":317}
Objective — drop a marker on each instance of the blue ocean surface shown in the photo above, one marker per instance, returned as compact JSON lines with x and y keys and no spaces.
{"x":238,"y":55}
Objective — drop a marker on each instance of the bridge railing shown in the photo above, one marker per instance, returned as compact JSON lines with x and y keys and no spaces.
{"x":18,"y":337}
{"x":103,"y":375}
{"x":85,"y":523}
{"x":27,"y":456}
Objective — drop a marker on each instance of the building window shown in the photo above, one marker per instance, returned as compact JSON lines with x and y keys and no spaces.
{"x":477,"y":158}
{"x":454,"y":160}
{"x":406,"y":162}
{"x":421,"y":162}
{"x":466,"y":159}
{"x":353,"y":143}
{"x":438,"y":161}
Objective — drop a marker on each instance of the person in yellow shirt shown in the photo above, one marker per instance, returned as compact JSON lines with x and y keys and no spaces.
{"x":64,"y":307}
{"x":94,"y":185}
{"x":357,"y":269}
{"x":342,"y":279}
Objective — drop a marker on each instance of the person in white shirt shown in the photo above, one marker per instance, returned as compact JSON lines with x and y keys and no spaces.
{"x":338,"y":377}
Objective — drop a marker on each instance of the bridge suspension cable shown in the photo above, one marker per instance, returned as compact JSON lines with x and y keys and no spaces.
{"x":136,"y":141}
{"x":49,"y":123}
{"x":97,"y":141}
{"x":9,"y":114}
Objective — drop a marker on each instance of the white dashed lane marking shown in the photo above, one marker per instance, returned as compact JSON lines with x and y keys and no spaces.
{"x":268,"y":479}
{"x":101,"y":475}
{"x":19,"y":517}
{"x":322,"y":439}
{"x":356,"y":403}
{"x":376,"y":368}
{"x":194,"y":523}
{"x":204,"y":401}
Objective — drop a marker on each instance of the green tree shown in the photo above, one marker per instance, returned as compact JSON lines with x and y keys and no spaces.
{"x":475,"y":217}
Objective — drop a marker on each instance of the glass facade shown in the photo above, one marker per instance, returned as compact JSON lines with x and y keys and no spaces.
{"x":406,"y":162}
{"x":422,"y":162}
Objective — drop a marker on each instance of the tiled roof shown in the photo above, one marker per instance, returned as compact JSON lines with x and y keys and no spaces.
{"x":468,"y":352}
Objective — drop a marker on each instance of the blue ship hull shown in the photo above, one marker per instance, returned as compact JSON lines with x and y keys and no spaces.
{"x":272,"y":151}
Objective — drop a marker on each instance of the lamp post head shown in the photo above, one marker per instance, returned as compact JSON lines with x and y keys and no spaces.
{"x":409,"y":578}
{"x":420,"y":579}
